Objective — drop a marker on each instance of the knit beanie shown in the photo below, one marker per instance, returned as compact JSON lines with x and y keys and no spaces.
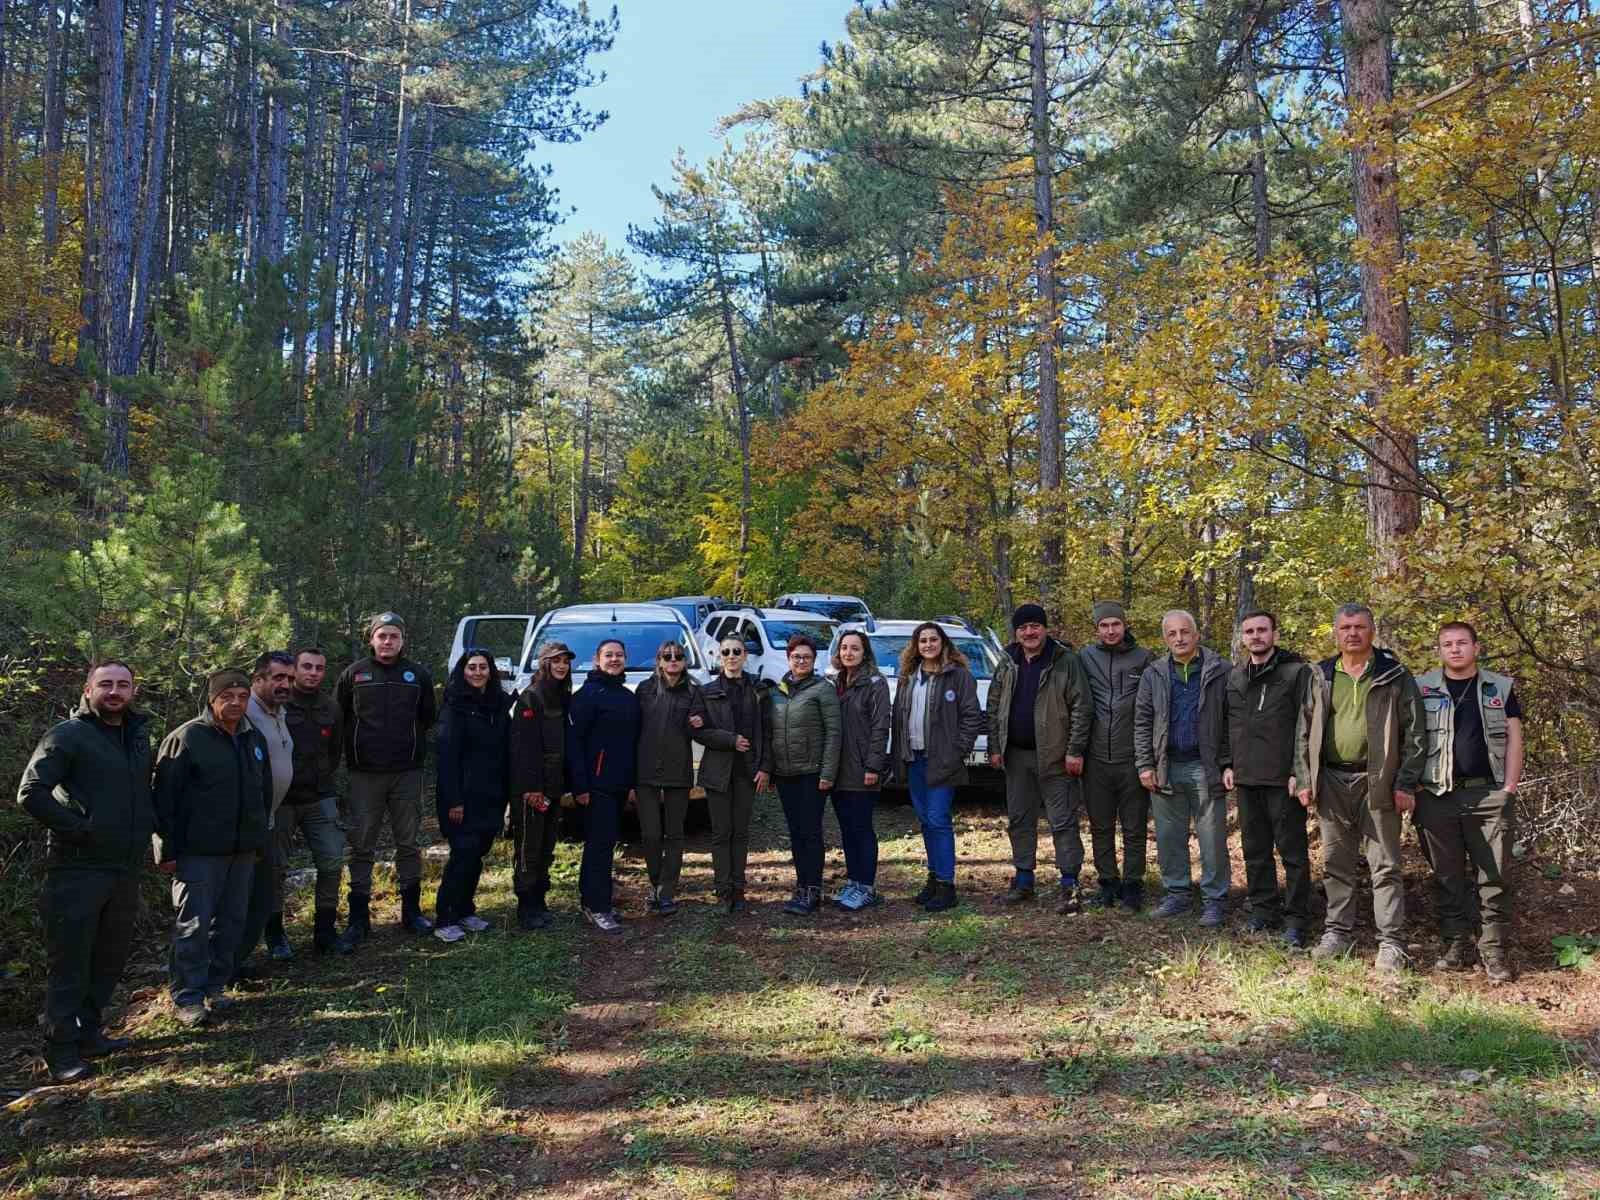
{"x":1028,"y":614}
{"x":1109,"y":610}
{"x":220,"y":681}
{"x":386,"y":618}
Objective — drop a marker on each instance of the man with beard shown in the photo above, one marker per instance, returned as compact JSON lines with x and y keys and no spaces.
{"x":312,"y":805}
{"x":271,"y":680}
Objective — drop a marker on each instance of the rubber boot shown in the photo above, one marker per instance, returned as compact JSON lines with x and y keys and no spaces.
{"x":359,"y":927}
{"x":325,"y":933}
{"x":411,"y":918}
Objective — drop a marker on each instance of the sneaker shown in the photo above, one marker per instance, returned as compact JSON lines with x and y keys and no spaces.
{"x":449,"y":933}
{"x":1172,"y":905}
{"x":1459,"y":955}
{"x":850,"y":896}
{"x":1107,"y":896}
{"x":1021,"y":889}
{"x":1070,"y":901}
{"x":804,"y":902}
{"x":1213,"y":914}
{"x":192,"y":1015}
{"x":1294,"y":938}
{"x":1391,"y":960}
{"x":416,"y":923}
{"x":1497,"y":967}
{"x":473,"y":924}
{"x":1262,"y":922}
{"x":1333,"y":945}
{"x":219,"y":1002}
{"x":666,"y":906}
{"x":605,"y":922}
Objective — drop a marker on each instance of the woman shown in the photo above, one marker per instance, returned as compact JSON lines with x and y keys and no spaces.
{"x":671,"y":708}
{"x":602,"y":762}
{"x":538,"y":742}
{"x":937,"y":721}
{"x":866,"y":711}
{"x":473,"y":773}
{"x":805,"y":759}
{"x":736,"y":765}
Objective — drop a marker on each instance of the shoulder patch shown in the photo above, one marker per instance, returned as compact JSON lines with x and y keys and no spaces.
{"x":409,"y":676}
{"x":258,"y":753}
{"x":363,"y":677}
{"x":950,"y":695}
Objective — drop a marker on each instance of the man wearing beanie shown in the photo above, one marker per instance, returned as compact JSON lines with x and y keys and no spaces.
{"x":213,"y":800}
{"x":386,"y":706}
{"x":1113,"y":663}
{"x":1039,"y":712}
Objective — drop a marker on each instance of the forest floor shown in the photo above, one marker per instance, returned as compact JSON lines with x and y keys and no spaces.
{"x":982,"y":1053}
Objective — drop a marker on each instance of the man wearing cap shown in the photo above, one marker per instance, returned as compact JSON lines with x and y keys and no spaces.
{"x":1039,"y":712}
{"x":88,"y":783}
{"x":1113,"y":663}
{"x":386,"y":706}
{"x":270,"y":682}
{"x":213,"y":799}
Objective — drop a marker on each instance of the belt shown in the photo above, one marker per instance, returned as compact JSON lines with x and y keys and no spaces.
{"x":1477,"y":781}
{"x":1350,"y":768}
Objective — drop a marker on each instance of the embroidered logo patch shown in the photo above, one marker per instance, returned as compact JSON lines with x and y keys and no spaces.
{"x":1493,"y":702}
{"x":409,"y":677}
{"x":950,"y":696}
{"x":527,"y":714}
{"x":326,"y":732}
{"x":363,"y":676}
{"x":258,"y":753}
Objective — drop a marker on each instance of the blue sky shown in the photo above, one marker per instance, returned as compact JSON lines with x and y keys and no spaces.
{"x":677,"y":67}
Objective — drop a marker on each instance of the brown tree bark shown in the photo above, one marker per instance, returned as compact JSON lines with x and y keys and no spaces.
{"x":1045,"y":286}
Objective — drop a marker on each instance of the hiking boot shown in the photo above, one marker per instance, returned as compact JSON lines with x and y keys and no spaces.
{"x":605,"y":922}
{"x":1070,"y":902}
{"x":928,"y":889}
{"x":65,"y":1063}
{"x":192,"y":1015}
{"x":359,"y":927}
{"x":1107,"y":896}
{"x":1294,"y":938}
{"x":411,"y":918}
{"x":1262,"y":922}
{"x":219,"y":1002}
{"x":449,"y":933}
{"x":804,"y":902}
{"x":1172,"y":905}
{"x":1392,"y":960}
{"x":473,"y":923}
{"x":325,"y":931}
{"x":1133,"y":895}
{"x":1497,"y":966}
{"x":278,"y":948}
{"x":665,"y":905}
{"x":1333,"y":945}
{"x":1459,"y":955}
{"x":531,"y":917}
{"x":98,"y":1045}
{"x":943,"y":898}
{"x":1021,"y":889}
{"x":1213,"y":914}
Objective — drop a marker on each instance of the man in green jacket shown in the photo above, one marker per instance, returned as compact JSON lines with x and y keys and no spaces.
{"x":1039,"y":711}
{"x":1467,"y":807}
{"x":88,"y":783}
{"x":213,"y":798}
{"x":1366,"y":749}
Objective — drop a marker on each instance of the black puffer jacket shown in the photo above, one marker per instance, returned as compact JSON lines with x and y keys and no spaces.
{"x":539,"y":738}
{"x":88,"y":783}
{"x":868,"y":716}
{"x":386,"y":712}
{"x":474,"y":756}
{"x":734,"y":708}
{"x":1114,"y":687}
{"x":213,"y":790}
{"x":666,"y":758}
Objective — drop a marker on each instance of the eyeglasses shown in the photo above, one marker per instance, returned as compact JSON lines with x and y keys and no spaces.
{"x":732,"y":652}
{"x":671,"y":657}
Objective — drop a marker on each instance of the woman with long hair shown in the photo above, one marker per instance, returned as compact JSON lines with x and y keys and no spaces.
{"x":736,"y":765}
{"x":865,"y":714}
{"x":473,"y":778}
{"x":538,"y":780}
{"x":671,"y":708}
{"x":937,"y":720}
{"x":805,"y":759}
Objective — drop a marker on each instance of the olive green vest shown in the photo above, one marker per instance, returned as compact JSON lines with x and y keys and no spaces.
{"x":1493,"y":692}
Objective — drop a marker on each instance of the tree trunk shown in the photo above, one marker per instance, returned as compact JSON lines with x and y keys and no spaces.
{"x":736,"y":369}
{"x":275,"y":210}
{"x":1393,"y":504}
{"x":144,"y":283}
{"x":55,"y":110}
{"x":1045,"y":286}
{"x":1253,"y":545}
{"x":114,"y":210}
{"x":408,"y":269}
{"x":333,"y":242}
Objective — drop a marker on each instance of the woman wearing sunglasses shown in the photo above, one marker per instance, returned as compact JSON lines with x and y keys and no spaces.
{"x":805,"y":759}
{"x":737,"y":764}
{"x":671,"y":708}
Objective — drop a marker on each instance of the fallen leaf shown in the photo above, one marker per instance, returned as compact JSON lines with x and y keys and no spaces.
{"x":1331,"y":1146}
{"x":1480,"y":1151}
{"x":1318,"y":1100}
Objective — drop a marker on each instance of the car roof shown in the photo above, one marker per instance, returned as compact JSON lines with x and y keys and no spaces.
{"x":772,"y":614}
{"x":607,"y":614}
{"x":682,"y":599}
{"x":819,"y":596}
{"x":898,"y":626}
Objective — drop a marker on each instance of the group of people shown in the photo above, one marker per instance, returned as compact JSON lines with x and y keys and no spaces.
{"x":1112,"y":730}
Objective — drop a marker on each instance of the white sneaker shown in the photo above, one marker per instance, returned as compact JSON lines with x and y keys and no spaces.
{"x":605,"y":922}
{"x":850,"y":897}
{"x":449,"y":933}
{"x":473,"y":924}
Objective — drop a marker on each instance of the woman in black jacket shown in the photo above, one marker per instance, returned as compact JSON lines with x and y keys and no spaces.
{"x":474,"y":772}
{"x":863,"y":764}
{"x":736,"y":765}
{"x":538,"y":780}
{"x":670,"y":709}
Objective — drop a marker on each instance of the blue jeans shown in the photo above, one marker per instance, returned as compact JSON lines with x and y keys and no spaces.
{"x":600,"y":821}
{"x":211,"y":893}
{"x":803,"y":806}
{"x":1190,"y":800}
{"x":458,"y":886}
{"x":932,"y":807}
{"x":854,"y":810}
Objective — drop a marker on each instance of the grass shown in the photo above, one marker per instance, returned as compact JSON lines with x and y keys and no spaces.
{"x":985,"y":1053}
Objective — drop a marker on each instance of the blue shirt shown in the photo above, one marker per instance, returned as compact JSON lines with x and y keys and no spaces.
{"x":1183,"y":709}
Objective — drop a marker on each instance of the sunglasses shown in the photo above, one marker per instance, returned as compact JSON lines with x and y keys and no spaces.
{"x":671,"y":657}
{"x":732,"y":652}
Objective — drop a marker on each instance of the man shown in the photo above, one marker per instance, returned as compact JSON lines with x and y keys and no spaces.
{"x":1113,"y":664}
{"x":88,"y":783}
{"x":1271,"y":697}
{"x":1467,"y":807}
{"x":213,"y":799}
{"x":271,"y":680}
{"x":1366,"y":748}
{"x":1039,"y":711}
{"x":311,"y":806}
{"x":386,"y":707}
{"x":1180,"y":747}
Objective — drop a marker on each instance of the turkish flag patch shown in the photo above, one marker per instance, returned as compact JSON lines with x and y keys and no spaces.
{"x":326,"y":732}
{"x":527,"y":713}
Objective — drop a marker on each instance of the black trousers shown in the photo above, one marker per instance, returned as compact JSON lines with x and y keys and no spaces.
{"x":533,"y":840}
{"x":458,"y":885}
{"x":1271,"y":819}
{"x":803,"y":806}
{"x":1114,"y":796}
{"x":88,"y":932}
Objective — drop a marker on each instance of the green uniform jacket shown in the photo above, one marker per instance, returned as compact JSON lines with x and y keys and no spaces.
{"x":734,"y":708}
{"x":1493,"y":692}
{"x":213,"y":795}
{"x":318,"y":741}
{"x":805,"y":727}
{"x":1062,"y":710}
{"x":666,"y":758}
{"x":88,"y":783}
{"x":1397,"y":727}
{"x":1152,"y":723}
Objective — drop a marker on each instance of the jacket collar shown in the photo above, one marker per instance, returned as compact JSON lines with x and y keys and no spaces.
{"x":1211,"y":663}
{"x":1385,"y":666}
{"x":1050,"y":651}
{"x":207,"y":717}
